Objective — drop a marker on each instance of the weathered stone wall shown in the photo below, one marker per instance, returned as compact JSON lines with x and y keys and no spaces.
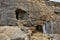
{"x":56,"y":7}
{"x":32,"y":7}
{"x":7,"y":12}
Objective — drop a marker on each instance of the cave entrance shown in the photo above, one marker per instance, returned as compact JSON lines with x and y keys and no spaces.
{"x":20,"y":13}
{"x":39,"y":28}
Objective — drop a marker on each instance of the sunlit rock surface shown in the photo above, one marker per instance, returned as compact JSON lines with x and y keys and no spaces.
{"x":13,"y":32}
{"x":35,"y":10}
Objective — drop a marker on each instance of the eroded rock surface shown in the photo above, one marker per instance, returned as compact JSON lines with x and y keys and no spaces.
{"x":13,"y":32}
{"x":4,"y":37}
{"x":34,"y":10}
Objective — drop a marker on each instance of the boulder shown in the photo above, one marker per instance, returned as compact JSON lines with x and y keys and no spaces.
{"x":4,"y":37}
{"x":14,"y":32}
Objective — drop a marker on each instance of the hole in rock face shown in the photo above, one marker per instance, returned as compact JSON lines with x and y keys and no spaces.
{"x":20,"y":14}
{"x":57,"y":11}
{"x":39,"y":28}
